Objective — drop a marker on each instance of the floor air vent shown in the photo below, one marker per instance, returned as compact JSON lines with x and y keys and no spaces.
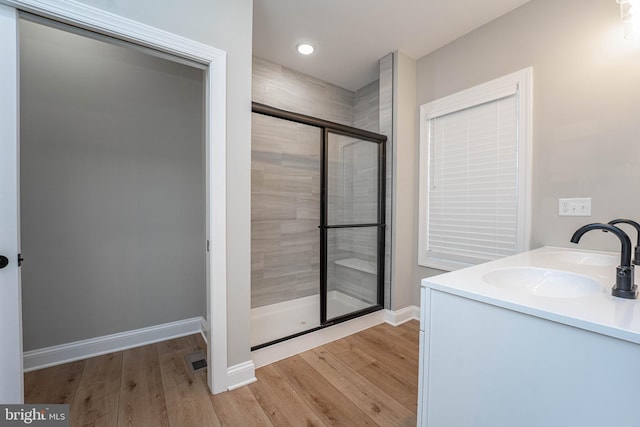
{"x":197,"y":361}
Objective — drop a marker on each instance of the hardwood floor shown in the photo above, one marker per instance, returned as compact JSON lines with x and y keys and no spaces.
{"x":366,"y":379}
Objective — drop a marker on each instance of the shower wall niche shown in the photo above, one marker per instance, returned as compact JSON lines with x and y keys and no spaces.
{"x":314,"y":260}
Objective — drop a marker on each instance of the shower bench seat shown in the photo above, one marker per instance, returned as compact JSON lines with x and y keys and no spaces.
{"x":358,"y":264}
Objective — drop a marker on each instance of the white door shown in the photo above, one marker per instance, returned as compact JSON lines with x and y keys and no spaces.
{"x":11,"y":386}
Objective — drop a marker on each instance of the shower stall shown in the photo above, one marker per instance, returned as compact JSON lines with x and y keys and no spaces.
{"x":317,"y":224}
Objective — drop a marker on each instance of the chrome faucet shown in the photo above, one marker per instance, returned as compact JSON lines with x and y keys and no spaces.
{"x":624,"y":286}
{"x":636,"y":252}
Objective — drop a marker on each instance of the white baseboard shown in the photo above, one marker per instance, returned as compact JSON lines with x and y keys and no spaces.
{"x":241,"y":374}
{"x":204,"y":330}
{"x":56,"y":355}
{"x":401,"y":316}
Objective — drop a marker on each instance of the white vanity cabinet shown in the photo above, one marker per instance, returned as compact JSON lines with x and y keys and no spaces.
{"x":490,"y":358}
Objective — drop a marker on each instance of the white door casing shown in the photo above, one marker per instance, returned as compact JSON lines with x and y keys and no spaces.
{"x":11,"y":386}
{"x":87,"y":17}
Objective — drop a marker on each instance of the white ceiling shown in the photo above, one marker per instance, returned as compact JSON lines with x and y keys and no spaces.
{"x":352,"y":35}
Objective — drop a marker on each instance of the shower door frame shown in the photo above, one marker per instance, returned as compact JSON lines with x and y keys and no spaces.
{"x":327,"y":127}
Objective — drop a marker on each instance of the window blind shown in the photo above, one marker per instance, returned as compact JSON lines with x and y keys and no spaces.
{"x":472,"y":207}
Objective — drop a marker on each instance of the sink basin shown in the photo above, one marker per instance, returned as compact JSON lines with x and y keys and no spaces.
{"x":543,"y":282}
{"x":582,"y":258}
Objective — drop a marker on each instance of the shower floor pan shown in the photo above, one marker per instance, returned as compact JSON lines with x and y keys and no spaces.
{"x":275,"y":321}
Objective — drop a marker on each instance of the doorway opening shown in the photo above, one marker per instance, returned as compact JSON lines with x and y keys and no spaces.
{"x":121,"y":29}
{"x":112,"y":186}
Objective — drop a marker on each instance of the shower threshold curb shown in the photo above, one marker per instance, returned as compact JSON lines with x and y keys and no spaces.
{"x":276,"y":352}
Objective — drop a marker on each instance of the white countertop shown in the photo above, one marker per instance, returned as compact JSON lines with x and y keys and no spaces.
{"x":597,"y":312}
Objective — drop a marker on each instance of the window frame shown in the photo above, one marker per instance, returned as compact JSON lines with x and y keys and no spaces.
{"x":519,"y":83}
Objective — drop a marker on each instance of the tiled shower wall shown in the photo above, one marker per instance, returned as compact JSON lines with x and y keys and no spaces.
{"x":285,"y":210}
{"x":366,"y":111}
{"x":290,"y":90}
{"x":285,"y":184}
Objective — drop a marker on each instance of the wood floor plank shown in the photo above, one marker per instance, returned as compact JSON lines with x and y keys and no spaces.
{"x":189,"y":405}
{"x":407,"y":332}
{"x":239,"y":408}
{"x":349,"y":353}
{"x":142,"y":400}
{"x":102,"y":411}
{"x":391,"y":342}
{"x":197,"y":342}
{"x":379,"y":406}
{"x":324,"y":399}
{"x":173,"y":364}
{"x":407,"y":394}
{"x":187,"y":396}
{"x":393,"y":375}
{"x":279,"y":400}
{"x":411,"y":325}
{"x":189,"y":343}
{"x":96,"y":402}
{"x":398,"y":363}
{"x":55,"y":385}
{"x":173,"y":345}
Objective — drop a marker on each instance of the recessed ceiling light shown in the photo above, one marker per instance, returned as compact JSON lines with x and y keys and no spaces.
{"x":305,"y":48}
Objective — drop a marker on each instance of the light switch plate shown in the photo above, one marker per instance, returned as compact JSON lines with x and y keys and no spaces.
{"x":574,"y":207}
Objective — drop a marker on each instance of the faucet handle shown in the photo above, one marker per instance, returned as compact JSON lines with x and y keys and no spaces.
{"x":625,"y":286}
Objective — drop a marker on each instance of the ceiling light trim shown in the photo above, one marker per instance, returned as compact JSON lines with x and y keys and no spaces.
{"x":305,"y":48}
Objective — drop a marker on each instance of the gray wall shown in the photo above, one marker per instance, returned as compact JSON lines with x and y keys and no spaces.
{"x":112,"y":188}
{"x":224,"y":24}
{"x":585,"y":112}
{"x":405,"y":292}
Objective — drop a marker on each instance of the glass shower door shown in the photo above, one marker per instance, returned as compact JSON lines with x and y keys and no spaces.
{"x":353,"y":226}
{"x":285,"y":213}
